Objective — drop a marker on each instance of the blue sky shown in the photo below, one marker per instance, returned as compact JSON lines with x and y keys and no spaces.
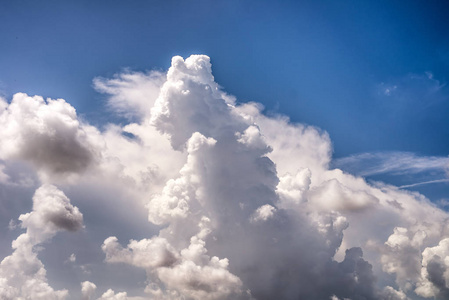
{"x":320,"y":62}
{"x":371,"y":73}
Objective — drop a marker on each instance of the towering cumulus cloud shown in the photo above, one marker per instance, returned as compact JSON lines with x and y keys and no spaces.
{"x":243,"y":206}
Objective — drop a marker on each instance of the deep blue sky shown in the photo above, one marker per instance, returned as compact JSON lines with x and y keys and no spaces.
{"x":371,"y":73}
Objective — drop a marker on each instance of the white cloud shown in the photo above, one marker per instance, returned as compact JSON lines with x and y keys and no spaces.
{"x":111,"y":295}
{"x":401,"y":255}
{"x":243,"y":205}
{"x":131,"y":94}
{"x":294,"y":146}
{"x":88,"y":290}
{"x":263,"y":213}
{"x":424,"y":183}
{"x":146,"y":253}
{"x":22,"y":274}
{"x":72,"y":257}
{"x":434,"y":281}
{"x":51,"y":213}
{"x":367,"y":164}
{"x":333,"y":195}
{"x":48,"y":135}
{"x":390,"y":293}
{"x":225,"y":149}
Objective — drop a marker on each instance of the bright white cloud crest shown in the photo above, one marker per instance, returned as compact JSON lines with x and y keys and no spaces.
{"x":245,"y":206}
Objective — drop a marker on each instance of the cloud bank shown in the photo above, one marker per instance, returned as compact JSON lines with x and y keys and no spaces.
{"x":243,"y":206}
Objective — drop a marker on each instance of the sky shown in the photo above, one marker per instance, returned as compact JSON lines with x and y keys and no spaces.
{"x":224,"y":150}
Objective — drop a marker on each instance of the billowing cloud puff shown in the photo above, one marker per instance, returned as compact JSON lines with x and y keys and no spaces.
{"x":242,"y":205}
{"x":111,"y":295}
{"x":190,"y":84}
{"x":22,"y":274}
{"x":52,"y":212}
{"x":263,"y":213}
{"x":88,"y":289}
{"x":147,"y":253}
{"x":47,"y":134}
{"x":434,"y":280}
{"x":335,"y":196}
{"x":229,"y":181}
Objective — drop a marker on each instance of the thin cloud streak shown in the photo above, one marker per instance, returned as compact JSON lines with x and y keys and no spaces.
{"x":423,"y":183}
{"x":396,"y":163}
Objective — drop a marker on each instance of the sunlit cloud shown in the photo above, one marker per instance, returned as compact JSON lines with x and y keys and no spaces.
{"x":242,"y":205}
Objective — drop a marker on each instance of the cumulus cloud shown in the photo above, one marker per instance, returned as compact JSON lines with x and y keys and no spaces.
{"x":146,"y":253}
{"x":88,"y":289}
{"x":22,"y":274}
{"x":51,"y":213}
{"x":263,"y":213}
{"x":335,"y":196}
{"x":434,"y":280}
{"x":226,"y":148}
{"x":299,"y":146}
{"x":111,"y":295}
{"x":189,"y":272}
{"x":244,"y":206}
{"x":47,"y":134}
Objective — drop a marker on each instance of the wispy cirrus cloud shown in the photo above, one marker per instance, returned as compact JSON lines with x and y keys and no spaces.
{"x":367,"y":164}
{"x":424,"y":183}
{"x":412,"y":92}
